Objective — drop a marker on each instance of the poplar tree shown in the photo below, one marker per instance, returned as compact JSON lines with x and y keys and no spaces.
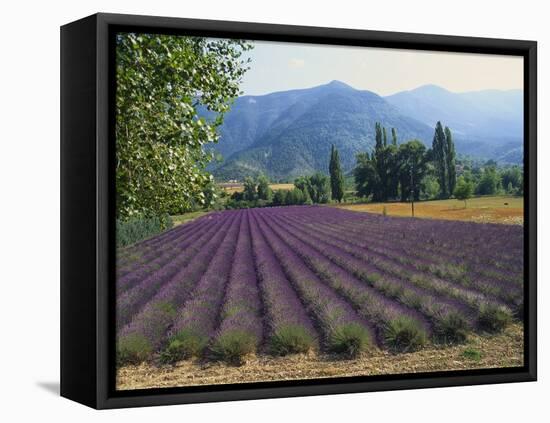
{"x":444,"y":158}
{"x":163,"y":82}
{"x":388,"y":170}
{"x":439,"y":148}
{"x":451,"y":160}
{"x":378,"y":136}
{"x":336,"y":176}
{"x":380,"y":164}
{"x":394,"y":136}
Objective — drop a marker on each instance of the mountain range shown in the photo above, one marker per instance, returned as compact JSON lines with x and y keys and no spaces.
{"x":290,"y":133}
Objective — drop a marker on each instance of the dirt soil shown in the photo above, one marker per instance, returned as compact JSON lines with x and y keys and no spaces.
{"x":479,"y":352}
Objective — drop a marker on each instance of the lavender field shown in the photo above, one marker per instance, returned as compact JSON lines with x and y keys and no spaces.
{"x":285,"y":280}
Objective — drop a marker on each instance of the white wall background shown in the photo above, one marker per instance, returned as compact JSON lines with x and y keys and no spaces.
{"x":29,"y":238}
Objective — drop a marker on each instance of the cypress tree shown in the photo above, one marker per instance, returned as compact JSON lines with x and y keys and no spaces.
{"x":380,"y":164}
{"x":384,"y":159}
{"x":336,"y":176}
{"x":393,"y":166}
{"x":394,"y":136}
{"x":331,"y":171}
{"x":439,"y":148}
{"x":378,"y":136}
{"x":450,"y":156}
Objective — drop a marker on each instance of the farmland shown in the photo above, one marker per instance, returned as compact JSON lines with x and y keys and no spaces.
{"x":230,"y":188}
{"x":488,"y":209}
{"x":495,"y":351}
{"x":315,"y":281}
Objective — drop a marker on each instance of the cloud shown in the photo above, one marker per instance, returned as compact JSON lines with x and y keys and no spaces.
{"x":296,"y":63}
{"x":251,"y":100}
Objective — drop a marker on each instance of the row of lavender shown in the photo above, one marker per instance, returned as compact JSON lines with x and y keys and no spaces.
{"x":293,"y":279}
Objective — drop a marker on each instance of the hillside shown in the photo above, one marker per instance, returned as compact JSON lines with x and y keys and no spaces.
{"x":486,"y":124}
{"x":286,"y":134}
{"x":298,"y":141}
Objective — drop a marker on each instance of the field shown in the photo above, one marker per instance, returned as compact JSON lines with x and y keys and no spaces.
{"x":230,"y":188}
{"x":479,"y":352}
{"x":495,"y":209}
{"x":187,"y":217}
{"x":317,"y":285}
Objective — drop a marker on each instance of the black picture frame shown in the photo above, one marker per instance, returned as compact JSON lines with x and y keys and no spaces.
{"x":87,"y":210}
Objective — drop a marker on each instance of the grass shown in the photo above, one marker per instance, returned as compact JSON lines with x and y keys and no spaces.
{"x":491,"y":209}
{"x":472,"y":354}
{"x":493,"y":318}
{"x":185,"y":344}
{"x":349,"y":340}
{"x":132,"y":349}
{"x":404,"y":334}
{"x":233,"y":346}
{"x":291,"y":339}
{"x":478,"y":352}
{"x":187,"y":217}
{"x":451,"y":329}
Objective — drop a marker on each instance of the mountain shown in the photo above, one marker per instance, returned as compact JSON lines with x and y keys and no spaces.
{"x":251,"y":116}
{"x":482,"y":121}
{"x":290,"y":133}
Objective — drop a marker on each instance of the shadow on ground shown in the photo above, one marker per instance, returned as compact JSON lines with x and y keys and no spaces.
{"x":51,"y":387}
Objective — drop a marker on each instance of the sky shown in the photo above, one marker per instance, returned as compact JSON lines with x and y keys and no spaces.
{"x":278,"y":66}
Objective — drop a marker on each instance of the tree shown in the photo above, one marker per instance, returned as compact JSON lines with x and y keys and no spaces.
{"x":379,"y":161}
{"x":512,"y":176}
{"x":378,"y":136}
{"x":336,"y":176}
{"x":385,"y":162}
{"x":412,"y":168}
{"x":365,"y":175}
{"x":303,"y":183}
{"x":377,"y":174}
{"x":392,"y":169}
{"x":444,"y":159}
{"x":394,"y":136}
{"x":294,"y":197}
{"x":450,"y":156}
{"x":264,"y":191}
{"x":490,"y":183}
{"x":468,"y":176}
{"x":163,"y":81}
{"x":213,"y":196}
{"x":439,"y":148}
{"x":519,"y":190}
{"x":429,"y":187}
{"x":319,"y":185}
{"x":463,"y":190}
{"x":314,"y":188}
{"x":249,"y":190}
{"x":279,"y":197}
